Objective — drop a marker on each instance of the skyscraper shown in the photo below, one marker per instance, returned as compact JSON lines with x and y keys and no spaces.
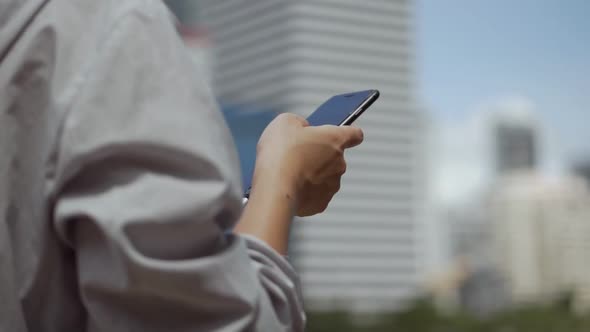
{"x":290,"y":56}
{"x":516,"y":147}
{"x":542,"y":237}
{"x":582,"y":169}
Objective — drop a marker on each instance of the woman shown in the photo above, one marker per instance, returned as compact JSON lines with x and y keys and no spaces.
{"x":120,"y":182}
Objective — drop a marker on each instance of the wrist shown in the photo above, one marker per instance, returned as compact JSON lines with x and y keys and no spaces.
{"x":270,"y":210}
{"x":279,"y":180}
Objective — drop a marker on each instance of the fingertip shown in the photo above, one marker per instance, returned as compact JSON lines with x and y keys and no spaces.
{"x":360,"y":133}
{"x":357,"y":134}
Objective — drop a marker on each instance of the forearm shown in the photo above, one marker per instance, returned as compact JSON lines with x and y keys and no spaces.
{"x":269,"y":213}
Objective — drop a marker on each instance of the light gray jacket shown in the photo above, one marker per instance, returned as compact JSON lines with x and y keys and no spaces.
{"x":119,"y":182}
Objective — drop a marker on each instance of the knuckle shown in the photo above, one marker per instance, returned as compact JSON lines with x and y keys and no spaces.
{"x":334,"y":188}
{"x":258,"y":147}
{"x":283,"y":116}
{"x":295,"y":118}
{"x":335,"y":140}
{"x":337,"y":147}
{"x":342,"y":167}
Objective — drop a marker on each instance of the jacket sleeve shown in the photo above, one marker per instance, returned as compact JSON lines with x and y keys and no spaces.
{"x":148,"y":190}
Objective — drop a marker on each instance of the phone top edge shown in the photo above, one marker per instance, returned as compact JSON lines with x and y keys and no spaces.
{"x":362,"y":107}
{"x":357,"y":92}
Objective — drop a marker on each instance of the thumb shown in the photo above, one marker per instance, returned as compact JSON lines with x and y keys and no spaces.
{"x":345,"y":136}
{"x":352,"y":136}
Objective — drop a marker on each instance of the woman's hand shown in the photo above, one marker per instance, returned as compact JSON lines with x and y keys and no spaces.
{"x":298,"y":171}
{"x":307,"y":162}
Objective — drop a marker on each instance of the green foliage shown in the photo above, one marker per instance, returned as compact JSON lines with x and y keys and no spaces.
{"x":423,"y":317}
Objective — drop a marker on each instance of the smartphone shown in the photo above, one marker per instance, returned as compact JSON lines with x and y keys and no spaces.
{"x":340,"y":110}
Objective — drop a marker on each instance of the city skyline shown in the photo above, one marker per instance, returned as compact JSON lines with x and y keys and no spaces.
{"x":467,"y":78}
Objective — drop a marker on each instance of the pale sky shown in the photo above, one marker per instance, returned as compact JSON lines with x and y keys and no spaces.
{"x":473,"y":53}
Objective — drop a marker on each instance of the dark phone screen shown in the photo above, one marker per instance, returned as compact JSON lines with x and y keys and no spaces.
{"x":336,"y":109}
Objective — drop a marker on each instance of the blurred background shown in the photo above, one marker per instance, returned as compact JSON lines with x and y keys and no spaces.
{"x":468,"y":206}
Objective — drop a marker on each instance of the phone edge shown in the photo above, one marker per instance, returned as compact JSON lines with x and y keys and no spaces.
{"x":361,"y":109}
